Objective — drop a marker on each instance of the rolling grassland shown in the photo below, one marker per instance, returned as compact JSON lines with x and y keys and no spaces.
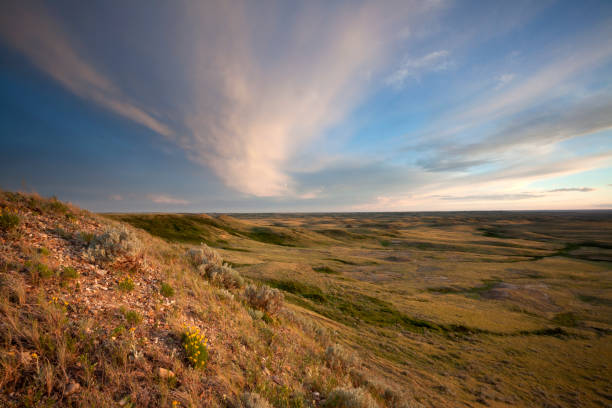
{"x":458,"y":309}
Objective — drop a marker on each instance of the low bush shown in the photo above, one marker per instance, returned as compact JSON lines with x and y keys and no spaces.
{"x":254,"y":400}
{"x":204,"y":257}
{"x":113,"y":242}
{"x":196,"y":348}
{"x":9,"y":220}
{"x":340,"y":358}
{"x":350,"y":398}
{"x":268,"y":299}
{"x":224,"y":276}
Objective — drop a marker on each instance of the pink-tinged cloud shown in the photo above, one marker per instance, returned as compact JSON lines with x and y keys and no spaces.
{"x":166,"y":199}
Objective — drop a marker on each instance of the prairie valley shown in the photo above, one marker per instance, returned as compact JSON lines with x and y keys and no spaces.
{"x":460,"y":308}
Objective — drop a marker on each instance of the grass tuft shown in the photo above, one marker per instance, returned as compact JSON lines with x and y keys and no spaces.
{"x":166,"y":290}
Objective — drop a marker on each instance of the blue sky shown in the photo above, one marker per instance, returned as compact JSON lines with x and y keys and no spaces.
{"x":308,"y":106}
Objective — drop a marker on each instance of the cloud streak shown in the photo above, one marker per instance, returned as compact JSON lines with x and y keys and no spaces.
{"x":413,"y":68}
{"x":166,"y":199}
{"x":31,"y":30}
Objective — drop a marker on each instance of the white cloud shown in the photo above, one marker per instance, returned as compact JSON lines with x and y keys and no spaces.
{"x":413,"y":68}
{"x":166,"y":199}
{"x":504,"y":79}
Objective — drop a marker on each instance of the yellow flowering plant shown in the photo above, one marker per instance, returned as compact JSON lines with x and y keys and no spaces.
{"x":196,"y":348}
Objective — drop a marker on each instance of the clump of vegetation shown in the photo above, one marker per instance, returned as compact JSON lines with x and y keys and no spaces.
{"x":86,"y":237}
{"x":39,"y":269}
{"x":68,"y":272}
{"x":56,"y":206}
{"x":9,"y":220}
{"x":195,"y":345}
{"x":13,"y":288}
{"x":298,"y":288}
{"x":325,"y":269}
{"x":254,"y":400}
{"x":132,"y":317}
{"x":126,"y":285}
{"x":350,"y":398}
{"x":111,"y":243}
{"x":204,"y":257}
{"x":166,"y":290}
{"x":339,"y":358}
{"x":225,"y":276}
{"x":567,"y":319}
{"x":43,"y":251}
{"x":254,"y":313}
{"x":268,"y":299}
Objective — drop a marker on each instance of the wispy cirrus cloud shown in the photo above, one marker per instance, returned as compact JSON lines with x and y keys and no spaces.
{"x":413,"y":68}
{"x":30,"y":29}
{"x":567,"y":189}
{"x":166,"y":199}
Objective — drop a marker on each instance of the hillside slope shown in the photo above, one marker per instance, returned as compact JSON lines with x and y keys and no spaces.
{"x":96,"y":313}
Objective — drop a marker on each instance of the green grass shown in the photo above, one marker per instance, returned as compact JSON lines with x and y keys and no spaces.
{"x":269,"y":236}
{"x":9,"y":221}
{"x":595,"y":300}
{"x":69,"y":272}
{"x":191,"y":229}
{"x":325,"y":269}
{"x":567,"y":319}
{"x":132,"y":317}
{"x":166,"y":290}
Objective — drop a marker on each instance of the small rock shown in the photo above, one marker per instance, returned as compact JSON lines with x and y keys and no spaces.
{"x":72,"y":388}
{"x":163,"y":373}
{"x":124,"y":400}
{"x":316,"y":395}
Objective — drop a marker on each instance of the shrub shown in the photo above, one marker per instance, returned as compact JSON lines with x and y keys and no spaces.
{"x":254,"y":400}
{"x":350,"y":398}
{"x":224,"y":276}
{"x":339,"y":358}
{"x":133,"y":318}
{"x":166,"y":290}
{"x":68,"y":272}
{"x":195,"y":347}
{"x":9,"y":220}
{"x":265,"y":298}
{"x":126,"y":285}
{"x":113,"y":242}
{"x":204,"y":257}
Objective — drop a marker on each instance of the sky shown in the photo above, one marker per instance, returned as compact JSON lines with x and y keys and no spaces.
{"x":232,"y":106}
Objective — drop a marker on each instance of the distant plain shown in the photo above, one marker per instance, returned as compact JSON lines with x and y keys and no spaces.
{"x":466,"y":308}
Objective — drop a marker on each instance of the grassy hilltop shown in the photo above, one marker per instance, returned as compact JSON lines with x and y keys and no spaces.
{"x":303,"y":310}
